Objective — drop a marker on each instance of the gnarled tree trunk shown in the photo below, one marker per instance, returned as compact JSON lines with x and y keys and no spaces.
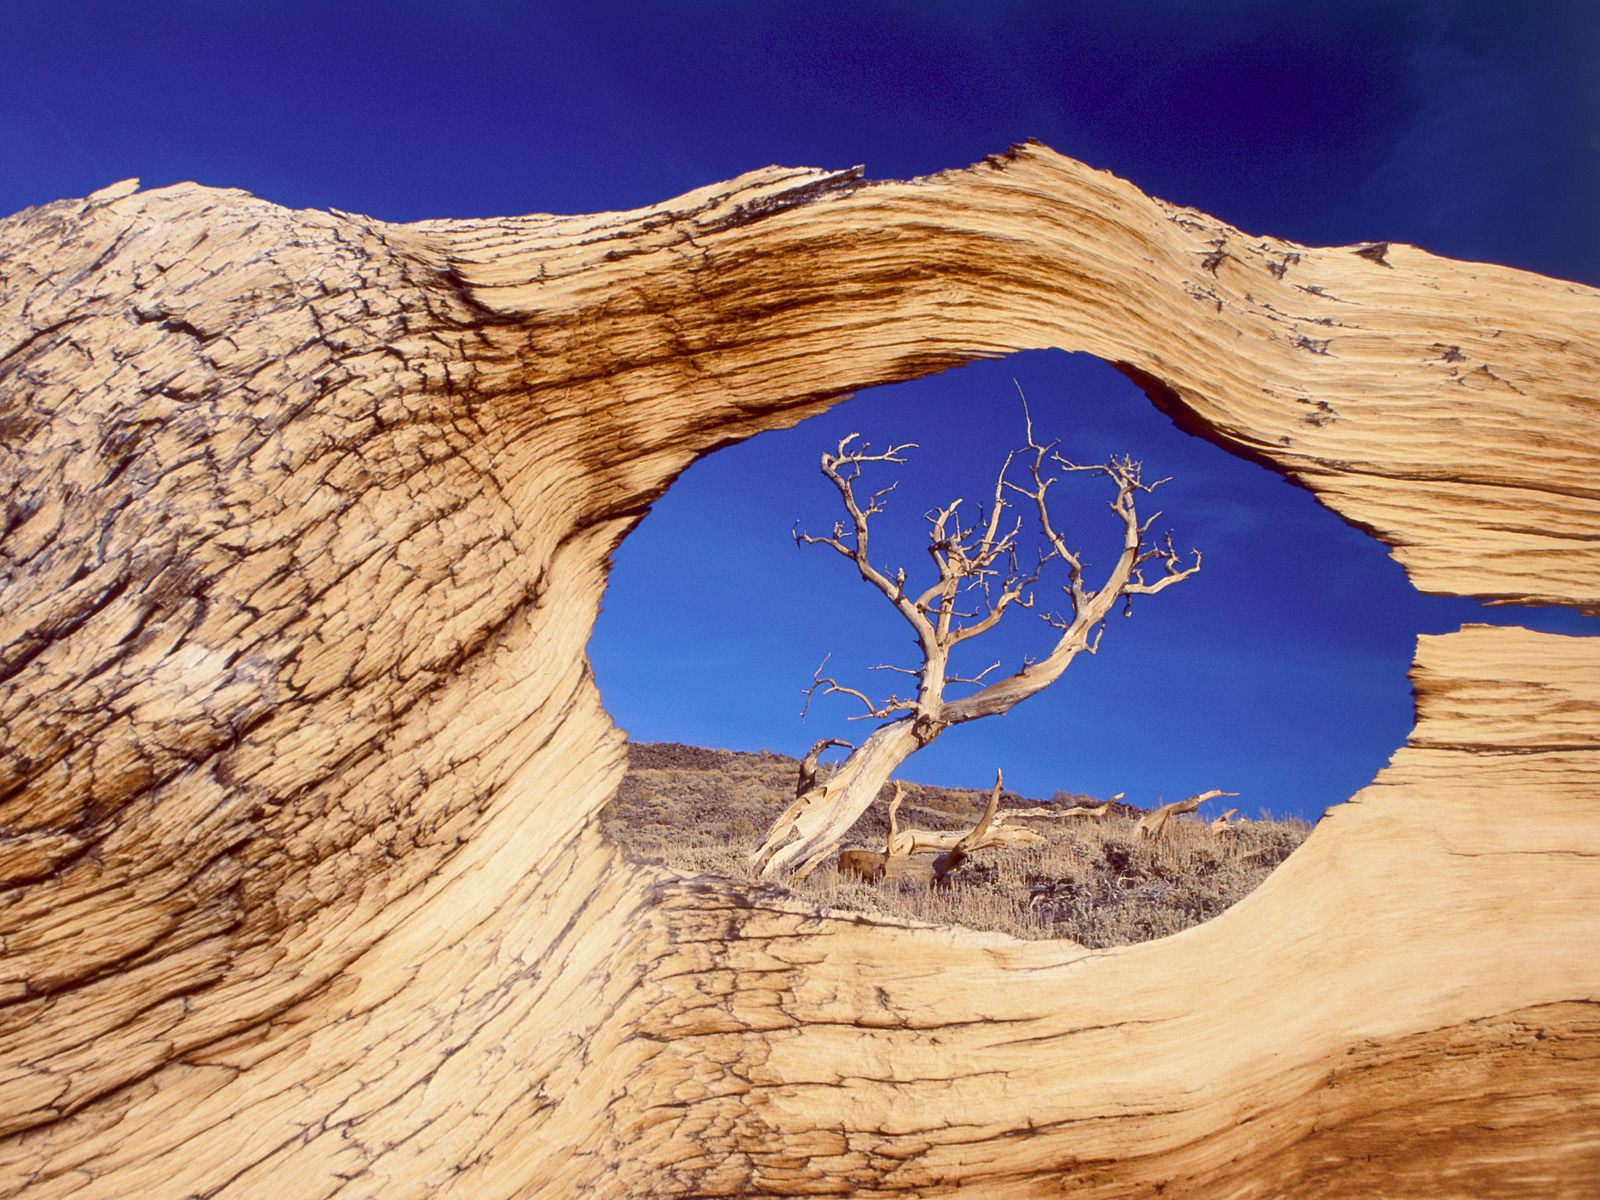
{"x":305,"y":519}
{"x":978,"y":569}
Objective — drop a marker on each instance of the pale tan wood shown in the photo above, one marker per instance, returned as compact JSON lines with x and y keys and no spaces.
{"x":1092,"y":811}
{"x":916,"y":853}
{"x":1000,"y":834}
{"x":1153,"y":824}
{"x":303,"y":526}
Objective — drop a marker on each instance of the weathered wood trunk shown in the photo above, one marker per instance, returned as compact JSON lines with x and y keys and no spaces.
{"x":812,"y":826}
{"x":305,"y":521}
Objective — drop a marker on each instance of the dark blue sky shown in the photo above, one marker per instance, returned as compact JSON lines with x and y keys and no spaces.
{"x":1472,"y":129}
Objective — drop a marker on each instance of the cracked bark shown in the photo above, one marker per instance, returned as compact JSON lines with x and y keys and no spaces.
{"x":305,"y":522}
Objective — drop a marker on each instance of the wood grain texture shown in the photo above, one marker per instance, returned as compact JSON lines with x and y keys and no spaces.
{"x":303,"y":526}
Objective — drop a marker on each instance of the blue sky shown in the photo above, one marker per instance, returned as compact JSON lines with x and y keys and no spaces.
{"x":1472,"y":129}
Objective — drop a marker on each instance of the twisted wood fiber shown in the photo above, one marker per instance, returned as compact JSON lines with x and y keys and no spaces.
{"x":305,"y":522}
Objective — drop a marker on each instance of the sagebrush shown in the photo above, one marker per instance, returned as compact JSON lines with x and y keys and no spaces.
{"x":1092,"y":882}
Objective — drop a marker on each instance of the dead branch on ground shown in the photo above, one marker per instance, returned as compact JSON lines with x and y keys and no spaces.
{"x":1154,"y":823}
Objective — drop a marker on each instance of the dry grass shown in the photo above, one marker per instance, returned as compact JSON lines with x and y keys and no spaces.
{"x":704,"y":811}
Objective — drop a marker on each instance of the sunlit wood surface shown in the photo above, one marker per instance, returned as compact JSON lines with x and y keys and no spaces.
{"x":304,"y":521}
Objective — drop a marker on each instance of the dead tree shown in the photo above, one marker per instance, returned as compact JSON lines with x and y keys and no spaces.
{"x":915,"y":841}
{"x":929,"y":856}
{"x":1154,"y":823}
{"x":1093,"y":811}
{"x":1002,"y":835}
{"x":976,"y":565}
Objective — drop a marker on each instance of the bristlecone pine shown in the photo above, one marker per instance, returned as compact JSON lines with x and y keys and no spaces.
{"x":305,"y":520}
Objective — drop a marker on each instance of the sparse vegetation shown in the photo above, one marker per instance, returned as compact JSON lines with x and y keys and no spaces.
{"x":1090,"y":881}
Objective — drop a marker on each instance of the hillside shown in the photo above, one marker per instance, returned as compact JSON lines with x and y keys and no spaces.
{"x":703,"y":811}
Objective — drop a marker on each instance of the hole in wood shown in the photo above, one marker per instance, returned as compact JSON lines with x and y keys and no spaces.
{"x":1275,"y":676}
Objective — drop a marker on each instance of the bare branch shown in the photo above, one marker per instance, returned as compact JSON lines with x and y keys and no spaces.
{"x":834,"y":541}
{"x":1172,"y":569}
{"x":808,"y":764}
{"x":958,"y":853}
{"x":1093,"y":811}
{"x":1083,"y":626}
{"x":843,"y":468}
{"x":982,"y":826}
{"x":897,"y":845}
{"x":925,"y":601}
{"x":997,"y":508}
{"x":831,"y":686}
{"x":1011,"y":593}
{"x":1154,"y":823}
